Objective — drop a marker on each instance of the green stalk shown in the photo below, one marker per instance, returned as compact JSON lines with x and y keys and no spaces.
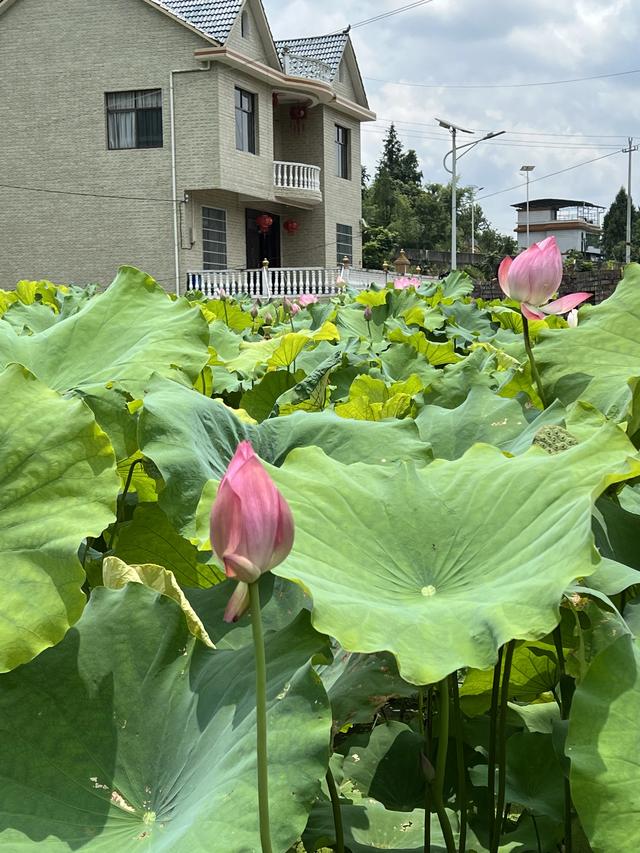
{"x":369,"y":328}
{"x":427,"y":788}
{"x":261,"y":716}
{"x":491,"y":760}
{"x":502,"y":745}
{"x":121,"y":500}
{"x":462,"y":776}
{"x":337,"y":814}
{"x":421,"y":710}
{"x":441,"y":764}
{"x":564,"y":703}
{"x":532,"y":361}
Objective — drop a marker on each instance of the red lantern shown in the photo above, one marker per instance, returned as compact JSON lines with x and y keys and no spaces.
{"x":290,"y":226}
{"x":264,"y":223}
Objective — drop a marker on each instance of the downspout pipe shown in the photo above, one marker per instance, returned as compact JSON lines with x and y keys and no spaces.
{"x":174,"y":171}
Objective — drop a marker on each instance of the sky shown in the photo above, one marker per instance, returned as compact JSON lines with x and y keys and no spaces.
{"x":449,"y":43}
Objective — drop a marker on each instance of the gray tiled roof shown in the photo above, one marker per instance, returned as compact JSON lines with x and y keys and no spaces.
{"x":214,"y":17}
{"x":327,"y":49}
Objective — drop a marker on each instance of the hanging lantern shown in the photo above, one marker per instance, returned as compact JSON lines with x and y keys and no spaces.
{"x":264,"y":223}
{"x":290,"y":226}
{"x":298,"y":114}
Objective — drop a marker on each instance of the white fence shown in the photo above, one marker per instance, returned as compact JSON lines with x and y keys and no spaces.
{"x":304,"y":66}
{"x":274,"y":282}
{"x":297,"y":176}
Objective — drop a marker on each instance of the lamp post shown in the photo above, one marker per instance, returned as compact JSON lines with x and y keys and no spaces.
{"x":474,"y":189}
{"x":527,"y":171}
{"x":455,"y":156}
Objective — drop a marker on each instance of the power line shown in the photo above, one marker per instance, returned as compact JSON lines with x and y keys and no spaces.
{"x":550,"y":175}
{"x":555,"y":146}
{"x":502,"y":85}
{"x":390,"y":13}
{"x":445,"y":133}
{"x":88,"y":194}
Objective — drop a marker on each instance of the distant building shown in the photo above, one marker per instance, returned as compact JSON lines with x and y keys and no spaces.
{"x":575,"y":224}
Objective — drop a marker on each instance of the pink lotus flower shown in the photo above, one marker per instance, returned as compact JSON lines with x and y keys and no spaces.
{"x":294,"y":309}
{"x":532,"y":279}
{"x":251,"y":523}
{"x":307,"y":299}
{"x":404,"y":281}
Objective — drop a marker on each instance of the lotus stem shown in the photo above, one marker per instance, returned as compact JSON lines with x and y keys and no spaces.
{"x":462,"y":778}
{"x":120,"y":502}
{"x":335,"y":808}
{"x":493,"y":729}
{"x":261,"y":717}
{"x":564,"y":704}
{"x":532,"y":361}
{"x":441,"y":764}
{"x":502,"y":745}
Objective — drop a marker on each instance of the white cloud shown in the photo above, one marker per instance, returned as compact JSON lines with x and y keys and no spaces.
{"x":498,"y":41}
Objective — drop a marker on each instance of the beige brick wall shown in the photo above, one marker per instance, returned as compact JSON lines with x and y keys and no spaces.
{"x":57,"y":60}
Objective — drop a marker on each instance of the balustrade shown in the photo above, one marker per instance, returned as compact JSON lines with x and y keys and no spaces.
{"x":297,"y":176}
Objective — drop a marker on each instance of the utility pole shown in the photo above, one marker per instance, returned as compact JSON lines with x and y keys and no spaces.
{"x":474,"y":189}
{"x":527,"y":171}
{"x":627,"y":247}
{"x":454,"y":129}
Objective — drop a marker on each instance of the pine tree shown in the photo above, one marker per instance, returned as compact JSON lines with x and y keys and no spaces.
{"x":400,"y":165}
{"x":614,"y":227}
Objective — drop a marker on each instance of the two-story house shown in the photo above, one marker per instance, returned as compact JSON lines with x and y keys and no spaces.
{"x":174,"y":135}
{"x":575,"y":224}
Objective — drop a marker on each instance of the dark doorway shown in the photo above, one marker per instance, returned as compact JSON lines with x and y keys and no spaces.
{"x":261,"y":246}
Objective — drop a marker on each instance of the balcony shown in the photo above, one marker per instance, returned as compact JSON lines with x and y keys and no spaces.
{"x":297,"y":182}
{"x":304,"y":66}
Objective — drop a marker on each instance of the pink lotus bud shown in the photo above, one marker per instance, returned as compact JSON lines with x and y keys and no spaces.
{"x":268,"y":319}
{"x":254,"y":311}
{"x":368,"y":313}
{"x":535,"y":275}
{"x":572,"y":318}
{"x":307,"y":299}
{"x":295,"y":309}
{"x":251,"y":523}
{"x":286,"y":305}
{"x":222,"y":294}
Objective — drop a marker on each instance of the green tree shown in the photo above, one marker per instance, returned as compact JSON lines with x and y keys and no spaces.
{"x":614,"y":229}
{"x":379,"y":245}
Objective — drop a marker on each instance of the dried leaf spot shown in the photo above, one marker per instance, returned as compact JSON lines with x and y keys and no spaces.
{"x":118,"y":800}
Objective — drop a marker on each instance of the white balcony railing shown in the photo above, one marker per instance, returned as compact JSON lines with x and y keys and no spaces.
{"x":266,"y":282}
{"x":304,"y":66}
{"x":296,"y":176}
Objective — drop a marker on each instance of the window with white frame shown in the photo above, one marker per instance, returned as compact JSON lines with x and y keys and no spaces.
{"x":214,"y":239}
{"x":245,"y":121}
{"x":134,"y":119}
{"x":344,"y":242}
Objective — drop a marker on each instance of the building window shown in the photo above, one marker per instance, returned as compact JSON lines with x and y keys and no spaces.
{"x":134,"y":119}
{"x":344,"y":242}
{"x":342,"y":152}
{"x":244,"y":24}
{"x":245,"y":121}
{"x":214,"y":239}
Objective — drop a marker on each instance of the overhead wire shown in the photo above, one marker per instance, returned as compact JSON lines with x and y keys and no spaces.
{"x":502,"y":85}
{"x":389,"y":14}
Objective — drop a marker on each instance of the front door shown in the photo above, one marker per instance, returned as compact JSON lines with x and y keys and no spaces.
{"x":261,"y":246}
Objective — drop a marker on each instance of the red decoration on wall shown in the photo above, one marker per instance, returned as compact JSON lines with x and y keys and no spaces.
{"x":264,"y":222}
{"x":297,"y":114}
{"x":290,"y":226}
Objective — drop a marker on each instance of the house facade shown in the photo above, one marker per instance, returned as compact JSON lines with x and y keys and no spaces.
{"x":174,"y":136}
{"x":576,"y":225}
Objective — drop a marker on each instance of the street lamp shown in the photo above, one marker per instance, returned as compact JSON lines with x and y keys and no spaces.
{"x":527,"y":170}
{"x":454,"y":130}
{"x":474,"y":189}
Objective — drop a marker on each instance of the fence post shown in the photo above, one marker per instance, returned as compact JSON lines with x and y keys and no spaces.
{"x":345,"y":268}
{"x":266,"y":279}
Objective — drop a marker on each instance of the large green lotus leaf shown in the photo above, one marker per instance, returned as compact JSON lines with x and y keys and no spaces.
{"x":441,"y":565}
{"x":618,"y":533}
{"x":150,"y":538}
{"x":599,"y":360}
{"x":259,"y":401}
{"x":389,"y":767}
{"x":58,"y":485}
{"x":483,"y":417}
{"x":30,"y":319}
{"x":132,"y":735}
{"x":192,"y":438}
{"x":123,"y":335}
{"x":604,"y":747}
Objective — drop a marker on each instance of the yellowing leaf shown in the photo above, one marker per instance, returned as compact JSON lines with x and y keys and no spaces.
{"x":372,"y":298}
{"x":116,"y":574}
{"x":328,"y":331}
{"x":366,"y":386}
{"x":289,"y":348}
{"x":411,"y":385}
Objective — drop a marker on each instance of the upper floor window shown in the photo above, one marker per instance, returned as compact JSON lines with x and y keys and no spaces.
{"x":342,"y":152}
{"x":244,"y":24}
{"x":245,"y":121}
{"x":134,"y":119}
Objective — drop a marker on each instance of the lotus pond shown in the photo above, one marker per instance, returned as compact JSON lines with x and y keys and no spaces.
{"x":451,"y":645}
